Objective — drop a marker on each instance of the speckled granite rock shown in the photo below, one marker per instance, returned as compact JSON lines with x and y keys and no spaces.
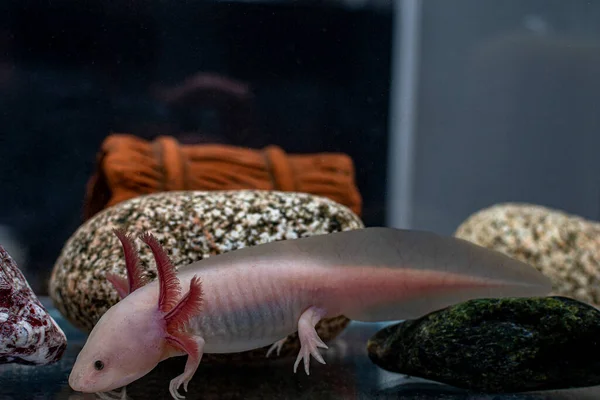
{"x":191,"y":225}
{"x":564,"y":247}
{"x":497,"y":345}
{"x":28,"y":334}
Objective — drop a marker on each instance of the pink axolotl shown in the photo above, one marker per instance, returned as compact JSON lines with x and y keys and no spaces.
{"x":256,"y":296}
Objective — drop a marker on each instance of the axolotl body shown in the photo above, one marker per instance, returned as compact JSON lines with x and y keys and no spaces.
{"x":256,"y":296}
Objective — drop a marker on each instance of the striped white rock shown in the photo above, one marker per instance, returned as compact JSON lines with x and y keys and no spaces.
{"x":28,"y":334}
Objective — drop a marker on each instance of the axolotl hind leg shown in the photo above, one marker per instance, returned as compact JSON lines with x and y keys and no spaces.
{"x":276,"y":347}
{"x":310,"y":342}
{"x":309,"y":339}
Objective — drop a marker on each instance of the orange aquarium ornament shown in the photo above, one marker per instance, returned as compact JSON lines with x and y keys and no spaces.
{"x":128,"y":166}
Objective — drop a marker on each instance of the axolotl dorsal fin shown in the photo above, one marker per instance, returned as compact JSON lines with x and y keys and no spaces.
{"x":177,"y":311}
{"x":135,"y":279}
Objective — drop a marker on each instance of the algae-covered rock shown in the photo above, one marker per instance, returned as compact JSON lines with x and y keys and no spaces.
{"x":497,"y":345}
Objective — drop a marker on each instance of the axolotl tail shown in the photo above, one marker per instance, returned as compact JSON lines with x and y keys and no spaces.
{"x":383,"y":274}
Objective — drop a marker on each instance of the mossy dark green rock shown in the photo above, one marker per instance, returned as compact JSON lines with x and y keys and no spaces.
{"x":497,"y":345}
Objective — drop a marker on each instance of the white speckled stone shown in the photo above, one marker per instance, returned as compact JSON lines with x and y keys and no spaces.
{"x":232,"y":219}
{"x":564,"y":247}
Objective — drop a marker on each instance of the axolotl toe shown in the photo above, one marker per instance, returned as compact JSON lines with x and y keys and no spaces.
{"x":257,"y":296}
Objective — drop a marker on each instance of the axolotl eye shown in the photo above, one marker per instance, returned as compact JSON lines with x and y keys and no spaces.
{"x":98,"y":365}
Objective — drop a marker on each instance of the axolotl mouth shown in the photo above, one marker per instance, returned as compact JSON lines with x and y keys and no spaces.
{"x":80,"y":383}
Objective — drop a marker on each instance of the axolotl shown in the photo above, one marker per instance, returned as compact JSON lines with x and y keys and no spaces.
{"x":256,"y":296}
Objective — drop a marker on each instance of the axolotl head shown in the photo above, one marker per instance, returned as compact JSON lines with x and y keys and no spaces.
{"x":122,"y":347}
{"x":139,"y":331}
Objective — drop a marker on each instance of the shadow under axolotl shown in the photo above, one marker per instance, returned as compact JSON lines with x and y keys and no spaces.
{"x":348,"y":374}
{"x":272,"y":379}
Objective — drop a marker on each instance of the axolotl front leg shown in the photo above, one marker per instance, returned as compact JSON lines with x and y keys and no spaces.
{"x":193,"y":346}
{"x":178,"y":314}
{"x":310,"y":342}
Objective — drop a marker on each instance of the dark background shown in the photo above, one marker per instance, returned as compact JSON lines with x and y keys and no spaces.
{"x":72,"y":72}
{"x":507,"y":100}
